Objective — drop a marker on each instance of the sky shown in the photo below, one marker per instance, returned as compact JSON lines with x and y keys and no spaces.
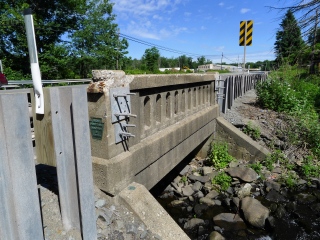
{"x":200,"y":27}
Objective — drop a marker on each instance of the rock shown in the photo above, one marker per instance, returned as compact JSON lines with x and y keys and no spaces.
{"x":185,"y":170}
{"x":176,"y":203}
{"x":202,"y":179}
{"x":131,"y":228}
{"x":291,"y":206}
{"x":213,"y":174}
{"x":269,"y":184}
{"x":243,"y":173}
{"x":271,"y":222}
{"x":187,"y":190}
{"x":280,"y":212}
{"x":199,"y":194}
{"x":302,"y":182}
{"x":177,"y":180}
{"x":217,"y":202}
{"x":197,"y":186}
{"x":229,"y":221}
{"x":213,"y":194}
{"x":193,"y":222}
{"x":176,"y":187}
{"x":234,"y":164}
{"x":100,"y":203}
{"x":245,"y":191}
{"x":305,"y":198}
{"x":200,"y":208}
{"x":274,"y":196}
{"x":207,"y":170}
{"x":207,"y":187}
{"x":215,"y":236}
{"x":207,"y":201}
{"x":254,"y":212}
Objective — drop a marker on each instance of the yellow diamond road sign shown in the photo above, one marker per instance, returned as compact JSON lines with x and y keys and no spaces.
{"x":246,"y":28}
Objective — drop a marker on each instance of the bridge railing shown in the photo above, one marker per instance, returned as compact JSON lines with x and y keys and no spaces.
{"x":232,"y":86}
{"x":160,"y":101}
{"x":63,"y":129}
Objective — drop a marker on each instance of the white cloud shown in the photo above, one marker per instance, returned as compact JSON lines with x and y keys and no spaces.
{"x":203,"y":28}
{"x":187,"y":14}
{"x":219,"y":48}
{"x":244,"y":10}
{"x":143,"y":7}
{"x":221,"y":4}
{"x":157,"y":17}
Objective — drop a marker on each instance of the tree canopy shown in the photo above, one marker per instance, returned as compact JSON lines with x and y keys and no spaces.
{"x":80,"y":34}
{"x":289,"y":42}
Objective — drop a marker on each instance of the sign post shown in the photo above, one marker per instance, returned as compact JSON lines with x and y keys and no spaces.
{"x":245,"y":39}
{"x":35,"y":70}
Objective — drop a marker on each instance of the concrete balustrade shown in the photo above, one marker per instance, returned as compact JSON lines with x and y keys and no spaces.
{"x":175,"y":113}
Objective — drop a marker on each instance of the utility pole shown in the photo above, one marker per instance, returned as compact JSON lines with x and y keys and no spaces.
{"x":117,"y":67}
{"x":221,"y":60}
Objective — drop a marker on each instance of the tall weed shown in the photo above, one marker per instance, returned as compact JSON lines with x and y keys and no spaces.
{"x":291,"y":91}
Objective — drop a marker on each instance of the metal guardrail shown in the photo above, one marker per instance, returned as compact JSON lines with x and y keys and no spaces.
{"x":25,"y":82}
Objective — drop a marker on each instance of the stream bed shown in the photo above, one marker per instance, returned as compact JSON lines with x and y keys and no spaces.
{"x":252,"y":208}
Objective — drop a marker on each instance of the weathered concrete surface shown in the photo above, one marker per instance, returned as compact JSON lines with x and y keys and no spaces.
{"x":141,"y":202}
{"x":150,"y":160}
{"x":241,"y":146}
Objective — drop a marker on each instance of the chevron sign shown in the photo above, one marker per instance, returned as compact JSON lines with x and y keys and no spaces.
{"x":246,"y":28}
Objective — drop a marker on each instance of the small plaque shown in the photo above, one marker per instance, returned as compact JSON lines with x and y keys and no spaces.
{"x":96,"y":128}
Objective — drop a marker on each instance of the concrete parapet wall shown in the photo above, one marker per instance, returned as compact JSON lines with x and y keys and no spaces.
{"x":155,"y":156}
{"x":175,"y":113}
{"x":240,"y":145}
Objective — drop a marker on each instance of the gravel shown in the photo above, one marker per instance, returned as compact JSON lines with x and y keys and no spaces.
{"x":114,"y":221}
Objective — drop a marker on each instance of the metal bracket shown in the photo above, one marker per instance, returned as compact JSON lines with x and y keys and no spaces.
{"x":121,"y":112}
{"x":120,"y":103}
{"x":121,"y":132}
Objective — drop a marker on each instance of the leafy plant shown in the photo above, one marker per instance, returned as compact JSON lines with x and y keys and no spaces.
{"x":289,"y":179}
{"x":275,"y":157}
{"x":257,"y":166}
{"x":252,"y":131}
{"x":184,"y":179}
{"x":223,"y":180}
{"x":219,"y":156}
{"x":310,"y":169}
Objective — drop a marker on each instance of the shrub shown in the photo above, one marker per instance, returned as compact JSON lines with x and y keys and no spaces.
{"x":223,"y":180}
{"x":219,"y":156}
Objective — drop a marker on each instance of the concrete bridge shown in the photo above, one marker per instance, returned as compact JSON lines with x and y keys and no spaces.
{"x":143,"y":126}
{"x":140,"y":128}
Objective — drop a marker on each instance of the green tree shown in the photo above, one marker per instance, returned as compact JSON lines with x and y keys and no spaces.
{"x":52,"y":18}
{"x":201,"y":60}
{"x":96,"y":42}
{"x":150,"y":59}
{"x":289,"y":42}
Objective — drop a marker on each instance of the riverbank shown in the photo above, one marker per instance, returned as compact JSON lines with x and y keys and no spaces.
{"x":286,"y":203}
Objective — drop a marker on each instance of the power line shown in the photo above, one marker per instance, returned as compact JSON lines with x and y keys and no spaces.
{"x":163,"y":48}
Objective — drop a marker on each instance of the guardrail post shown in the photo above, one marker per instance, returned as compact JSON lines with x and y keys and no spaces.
{"x":71,"y":135}
{"x":19,"y":204}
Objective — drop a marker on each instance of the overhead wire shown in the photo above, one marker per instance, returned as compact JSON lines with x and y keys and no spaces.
{"x":163,"y":48}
